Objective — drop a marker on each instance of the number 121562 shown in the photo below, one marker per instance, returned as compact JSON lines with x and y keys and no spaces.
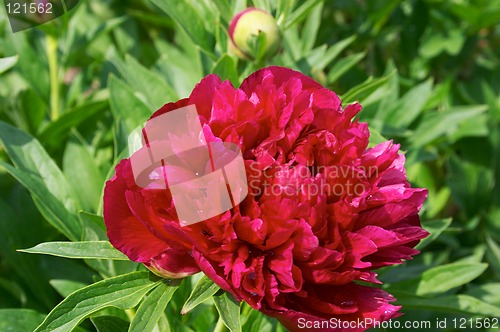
{"x":32,"y":8}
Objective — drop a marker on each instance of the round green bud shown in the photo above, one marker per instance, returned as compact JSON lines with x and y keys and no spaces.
{"x":255,"y":34}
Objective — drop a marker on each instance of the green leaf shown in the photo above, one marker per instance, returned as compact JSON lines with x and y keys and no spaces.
{"x":19,"y":225}
{"x":182,"y":69}
{"x":95,"y":230}
{"x":229,"y":310}
{"x":408,"y":108}
{"x":438,"y":124}
{"x":488,"y":292}
{"x":188,"y":19}
{"x":471,"y":184}
{"x":224,"y":9}
{"x":460,"y":303}
{"x":332,"y":53}
{"x":76,"y":44}
{"x":300,"y":13}
{"x":311,"y":27}
{"x":94,"y":227}
{"x":376,"y":138}
{"x":476,"y":255}
{"x":29,"y":113}
{"x":153,"y":305}
{"x":32,"y":64}
{"x":343,"y":65}
{"x":476,"y":128}
{"x":262,"y":4}
{"x":82,"y":172}
{"x":204,"y":289}
{"x":291,"y":44}
{"x":82,"y":250}
{"x":28,"y":155}
{"x":129,"y":111}
{"x":493,"y":254}
{"x":435,"y":228}
{"x":7,"y":63}
{"x":66,"y":287}
{"x":226,"y":69}
{"x":258,"y":322}
{"x":109,"y":324}
{"x":123,"y":292}
{"x":148,"y":84}
{"x":442,"y":278}
{"x":365,"y":89}
{"x":438,"y":202}
{"x":48,"y":205}
{"x":56,"y":131}
{"x":126,"y":106}
{"x":19,"y":320}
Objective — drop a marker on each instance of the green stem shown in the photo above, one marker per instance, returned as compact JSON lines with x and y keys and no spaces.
{"x":220,"y":327}
{"x":54,"y":76}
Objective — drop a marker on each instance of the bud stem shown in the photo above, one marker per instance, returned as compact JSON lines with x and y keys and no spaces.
{"x":54,"y":76}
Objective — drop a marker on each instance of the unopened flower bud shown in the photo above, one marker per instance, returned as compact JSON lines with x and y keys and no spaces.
{"x":254,"y":34}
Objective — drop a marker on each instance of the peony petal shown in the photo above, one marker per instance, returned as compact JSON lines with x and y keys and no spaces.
{"x":173,"y":263}
{"x":124,"y":230}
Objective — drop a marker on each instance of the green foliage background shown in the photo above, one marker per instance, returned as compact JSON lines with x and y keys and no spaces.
{"x":426,"y":71}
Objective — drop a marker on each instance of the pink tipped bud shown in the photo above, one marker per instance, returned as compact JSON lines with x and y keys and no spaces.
{"x":254,"y":34}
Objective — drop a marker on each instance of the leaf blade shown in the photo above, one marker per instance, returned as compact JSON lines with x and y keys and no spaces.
{"x":442,"y":278}
{"x":152,"y":307}
{"x":123,"y":292}
{"x":229,"y":311}
{"x":80,"y":250}
{"x":203,"y":290}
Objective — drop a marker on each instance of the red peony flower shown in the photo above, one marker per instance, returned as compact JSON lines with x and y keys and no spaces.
{"x":322,"y":212}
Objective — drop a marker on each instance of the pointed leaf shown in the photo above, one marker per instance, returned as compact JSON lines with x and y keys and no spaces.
{"x":126,"y":106}
{"x":7,"y":63}
{"x":28,"y":155}
{"x":493,"y":254}
{"x":87,"y":250}
{"x":438,"y":124}
{"x":48,"y":205}
{"x":204,"y":289}
{"x":442,"y":278}
{"x":365,"y":89}
{"x":189,"y":20}
{"x":153,"y":305}
{"x":57,"y":130}
{"x":229,"y":311}
{"x":122,"y":292}
{"x":332,"y":53}
{"x":435,"y":227}
{"x":225,"y":68}
{"x":82,"y":172}
{"x":408,"y":108}
{"x":343,"y":65}
{"x":300,"y":13}
{"x":454,"y":304}
{"x":151,"y":85}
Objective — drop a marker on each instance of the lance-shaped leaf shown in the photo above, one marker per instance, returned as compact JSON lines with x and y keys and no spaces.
{"x":229,"y":311}
{"x":82,"y":250}
{"x":152,"y":307}
{"x":123,"y":292}
{"x":204,"y":289}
